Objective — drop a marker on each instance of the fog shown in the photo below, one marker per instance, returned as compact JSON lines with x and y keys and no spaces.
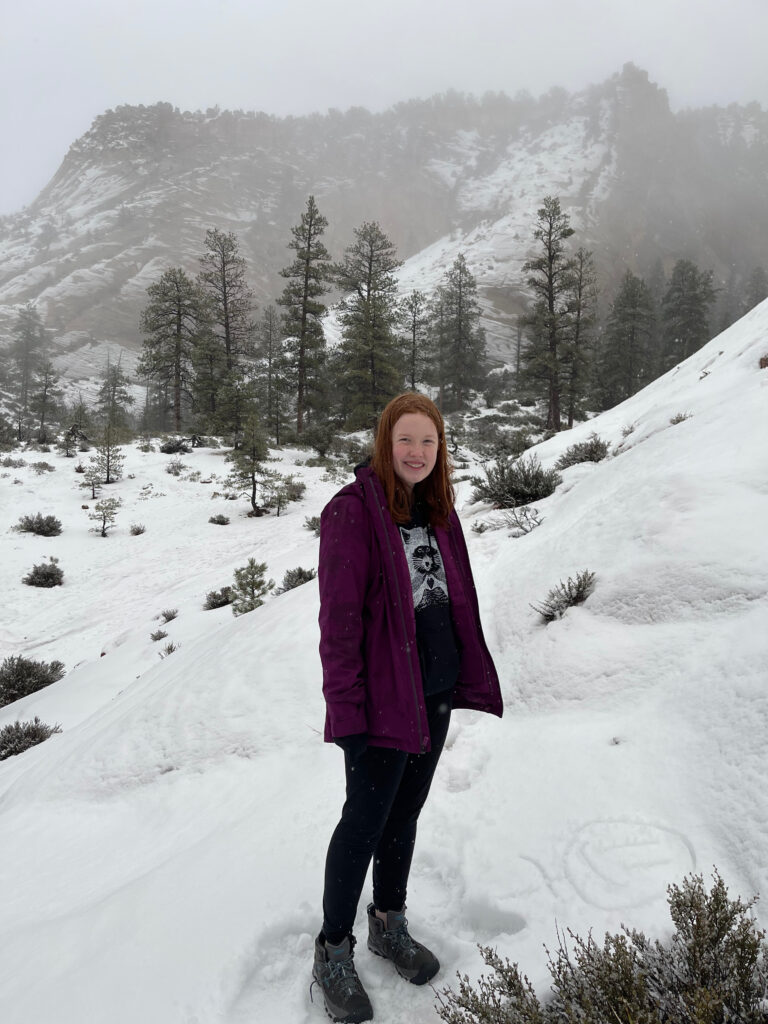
{"x":63,"y":64}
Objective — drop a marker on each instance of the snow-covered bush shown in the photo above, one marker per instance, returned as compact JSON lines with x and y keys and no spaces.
{"x":313,"y":523}
{"x":594,"y":449}
{"x":46,"y":574}
{"x":9,"y":462}
{"x":218,"y":598}
{"x":510,"y":483}
{"x":679,"y":417}
{"x":566,"y":595}
{"x":713,"y":970}
{"x":174,"y":467}
{"x":250,"y":587}
{"x":174,"y":446}
{"x":20,"y":736}
{"x":42,"y":526}
{"x":20,"y":676}
{"x":219,"y":520}
{"x":294,"y":578}
{"x":42,"y":467}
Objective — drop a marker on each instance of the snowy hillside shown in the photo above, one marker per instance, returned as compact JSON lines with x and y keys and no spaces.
{"x":161,"y":859}
{"x":136,"y":194}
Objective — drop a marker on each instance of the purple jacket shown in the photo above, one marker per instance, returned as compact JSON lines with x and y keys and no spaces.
{"x":371,"y":672}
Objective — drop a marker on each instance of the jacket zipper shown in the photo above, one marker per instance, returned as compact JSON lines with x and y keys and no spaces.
{"x":422,"y":739}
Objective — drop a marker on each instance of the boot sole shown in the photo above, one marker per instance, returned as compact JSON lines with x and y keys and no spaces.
{"x":420,"y":978}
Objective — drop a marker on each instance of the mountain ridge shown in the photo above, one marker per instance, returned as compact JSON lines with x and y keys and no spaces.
{"x":642,"y":185}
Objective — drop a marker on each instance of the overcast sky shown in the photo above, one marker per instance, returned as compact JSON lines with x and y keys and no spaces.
{"x":63,"y":62}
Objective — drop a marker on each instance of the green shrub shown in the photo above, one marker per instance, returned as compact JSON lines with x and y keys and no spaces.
{"x":20,"y":676}
{"x":313,"y":523}
{"x":174,"y":467}
{"x":714,"y":970}
{"x":10,"y":463}
{"x":218,"y":598}
{"x":40,"y":525}
{"x":294,"y":578}
{"x":46,"y":574}
{"x":219,"y":520}
{"x":510,"y":483}
{"x":594,"y":449}
{"x":20,"y":736}
{"x":42,"y":467}
{"x":250,"y":587}
{"x":566,"y":595}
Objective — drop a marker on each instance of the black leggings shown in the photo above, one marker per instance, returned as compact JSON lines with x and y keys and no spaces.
{"x":386,"y":790}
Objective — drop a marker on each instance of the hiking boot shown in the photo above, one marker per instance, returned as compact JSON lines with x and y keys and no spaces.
{"x":392,"y":940}
{"x":346,"y":1001}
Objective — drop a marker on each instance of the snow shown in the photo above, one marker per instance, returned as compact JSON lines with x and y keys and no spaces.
{"x":162,"y":857}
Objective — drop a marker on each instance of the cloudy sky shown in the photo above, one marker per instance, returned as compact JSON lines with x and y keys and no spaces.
{"x":63,"y":63}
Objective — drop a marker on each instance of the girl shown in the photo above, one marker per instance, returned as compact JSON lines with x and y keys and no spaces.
{"x":401,"y":645}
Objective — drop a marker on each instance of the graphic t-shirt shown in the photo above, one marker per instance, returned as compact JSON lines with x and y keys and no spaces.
{"x":435,"y":638}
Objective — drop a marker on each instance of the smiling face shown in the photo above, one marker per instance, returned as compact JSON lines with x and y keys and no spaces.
{"x":414,"y":448}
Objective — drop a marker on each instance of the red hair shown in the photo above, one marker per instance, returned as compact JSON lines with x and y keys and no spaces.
{"x":436,"y":492}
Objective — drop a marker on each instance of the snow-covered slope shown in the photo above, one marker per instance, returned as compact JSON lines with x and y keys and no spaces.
{"x":162,"y":858}
{"x":641,"y":184}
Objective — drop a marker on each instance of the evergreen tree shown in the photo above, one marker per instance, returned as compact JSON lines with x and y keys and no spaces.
{"x":248,"y":459}
{"x":45,"y":394}
{"x":272,"y":382}
{"x":26,"y":348}
{"x":371,"y":371}
{"x":577,"y":348}
{"x":308,"y":279}
{"x":209,"y":366}
{"x":437,"y":341}
{"x":550,"y":275}
{"x":173,"y":322}
{"x":108,"y":458}
{"x":757,"y":288}
{"x":626,"y":362}
{"x":223,"y":280}
{"x":464,"y":338}
{"x":105,"y":514}
{"x":236,"y":399}
{"x":250,"y":587}
{"x":414,"y":313}
{"x":113,"y":398}
{"x":684,"y":311}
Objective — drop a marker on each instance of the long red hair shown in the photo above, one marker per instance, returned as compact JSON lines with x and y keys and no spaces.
{"x":436,"y":492}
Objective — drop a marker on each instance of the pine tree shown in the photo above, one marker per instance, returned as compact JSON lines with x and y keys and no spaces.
{"x":114,"y":399}
{"x":209,"y":365}
{"x":173,"y":323}
{"x":371,"y":371}
{"x":437,"y":345}
{"x":45,"y":394}
{"x":626,"y":359}
{"x":250,"y":587}
{"x":272,"y":381}
{"x":108,"y":458}
{"x":550,"y":275}
{"x":757,"y":288}
{"x":308,"y":278}
{"x":577,"y":349}
{"x":464,"y":338}
{"x":223,"y":280}
{"x":105,"y":514}
{"x":414,"y":313}
{"x":684,"y":311}
{"x":26,"y":348}
{"x":248,"y":459}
